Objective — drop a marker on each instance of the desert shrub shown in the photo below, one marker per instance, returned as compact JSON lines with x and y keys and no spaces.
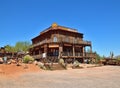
{"x":27,"y":59}
{"x":118,"y":59}
{"x":76,"y":63}
{"x":41,"y":65}
{"x":62,"y":63}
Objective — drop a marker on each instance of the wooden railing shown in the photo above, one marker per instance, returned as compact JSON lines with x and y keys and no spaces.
{"x":67,"y":54}
{"x":63,"y":40}
{"x":79,"y":54}
{"x":90,"y":54}
{"x":70,"y":54}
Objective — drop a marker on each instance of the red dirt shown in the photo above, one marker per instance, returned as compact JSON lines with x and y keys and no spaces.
{"x":14,"y":70}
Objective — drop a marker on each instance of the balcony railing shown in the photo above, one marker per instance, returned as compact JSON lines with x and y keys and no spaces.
{"x":63,"y":40}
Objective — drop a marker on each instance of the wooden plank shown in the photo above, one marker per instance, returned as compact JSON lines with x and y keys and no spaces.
{"x":53,"y":46}
{"x":67,"y":45}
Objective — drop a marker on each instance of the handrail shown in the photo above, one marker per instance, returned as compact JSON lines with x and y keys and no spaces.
{"x":63,"y":40}
{"x":77,"y":54}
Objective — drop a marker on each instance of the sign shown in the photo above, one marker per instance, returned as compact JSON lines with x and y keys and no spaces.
{"x":44,"y":55}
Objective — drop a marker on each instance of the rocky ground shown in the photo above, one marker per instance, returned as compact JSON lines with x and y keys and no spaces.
{"x":95,"y":77}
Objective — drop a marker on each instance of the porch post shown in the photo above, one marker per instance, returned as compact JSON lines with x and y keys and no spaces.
{"x":45,"y":50}
{"x":39,"y":52}
{"x":34,"y":53}
{"x":60,"y":51}
{"x":84,"y":51}
{"x":91,"y":57}
{"x":90,"y":49}
{"x":74,"y":51}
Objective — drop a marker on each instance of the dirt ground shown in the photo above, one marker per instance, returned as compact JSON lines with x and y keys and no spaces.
{"x":13,"y":70}
{"x":95,"y":77}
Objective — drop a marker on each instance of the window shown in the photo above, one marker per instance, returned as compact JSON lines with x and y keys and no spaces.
{"x":67,"y":39}
{"x":55,"y":39}
{"x":75,"y":40}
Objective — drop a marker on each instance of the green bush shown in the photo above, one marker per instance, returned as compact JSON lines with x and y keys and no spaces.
{"x":62,"y":63}
{"x":118,"y":59}
{"x":27,"y":59}
{"x":76,"y":63}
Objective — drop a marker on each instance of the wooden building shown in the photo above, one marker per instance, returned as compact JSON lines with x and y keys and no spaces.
{"x":61,"y":42}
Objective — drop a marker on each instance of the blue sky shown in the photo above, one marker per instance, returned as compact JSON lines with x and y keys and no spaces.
{"x":99,"y":20}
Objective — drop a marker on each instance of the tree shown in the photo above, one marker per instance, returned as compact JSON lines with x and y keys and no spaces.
{"x":7,"y":48}
{"x":98,"y":57}
{"x":111,"y":54}
{"x":26,"y":46}
{"x":22,"y":46}
{"x":10,"y":49}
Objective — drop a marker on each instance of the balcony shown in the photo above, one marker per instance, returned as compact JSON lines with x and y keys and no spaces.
{"x":82,"y":42}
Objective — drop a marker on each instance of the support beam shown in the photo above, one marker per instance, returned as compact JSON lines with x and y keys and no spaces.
{"x":83,"y":50}
{"x":84,"y":53}
{"x":45,"y":50}
{"x":34,"y":53}
{"x":90,"y":49}
{"x":39,"y":52}
{"x":74,"y":52}
{"x":60,"y":51}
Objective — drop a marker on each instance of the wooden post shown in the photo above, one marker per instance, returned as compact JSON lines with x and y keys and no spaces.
{"x":60,"y":51}
{"x":39,"y":52}
{"x":91,"y":56}
{"x":74,"y":51}
{"x":45,"y":50}
{"x":84,"y":51}
{"x":90,"y":49}
{"x":33,"y":52}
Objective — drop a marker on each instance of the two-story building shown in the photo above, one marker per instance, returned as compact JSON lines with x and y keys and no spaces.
{"x":61,"y":42}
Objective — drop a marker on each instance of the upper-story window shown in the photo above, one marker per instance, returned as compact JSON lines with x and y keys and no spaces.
{"x":75,"y":40}
{"x":54,"y":39}
{"x":67,"y":39}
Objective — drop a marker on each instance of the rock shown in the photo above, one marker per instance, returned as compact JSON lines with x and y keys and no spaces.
{"x":13,"y":61}
{"x":35,"y":63}
{"x":9,"y":62}
{"x":1,"y":60}
{"x":41,"y":65}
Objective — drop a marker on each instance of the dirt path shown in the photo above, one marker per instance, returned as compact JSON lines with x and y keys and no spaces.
{"x":96,"y":77}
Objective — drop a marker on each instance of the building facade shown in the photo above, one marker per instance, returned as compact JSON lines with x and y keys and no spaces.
{"x":61,"y":42}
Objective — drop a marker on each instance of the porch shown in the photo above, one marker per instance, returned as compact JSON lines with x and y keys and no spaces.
{"x":52,"y":52}
{"x":65,"y":55}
